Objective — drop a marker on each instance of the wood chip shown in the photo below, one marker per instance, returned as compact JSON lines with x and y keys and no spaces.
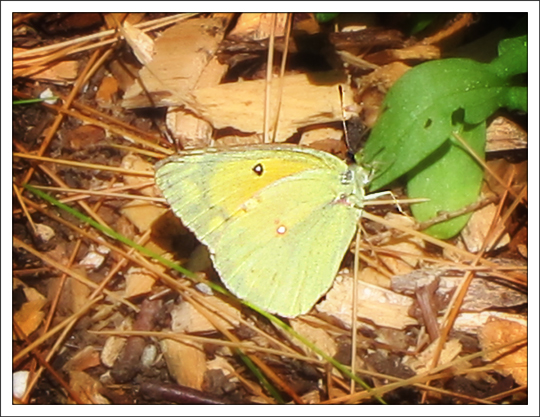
{"x":62,"y":73}
{"x":186,"y":363}
{"x":421,"y":362}
{"x":181,"y":53}
{"x":315,"y":335}
{"x":44,"y":232}
{"x":499,"y":332}
{"x":141,"y":44}
{"x":190,"y":130}
{"x":474,"y":322}
{"x":377,"y":305}
{"x":307,"y":99}
{"x":475,"y":231}
{"x":256,"y":26}
{"x":30,"y":315}
{"x":139,"y":281}
{"x":414,"y":52}
{"x":107,"y":91}
{"x":503,"y":134}
{"x":187,"y":319}
{"x":132,"y":162}
{"x":88,"y":388}
{"x":112,"y":348}
{"x":87,"y":357}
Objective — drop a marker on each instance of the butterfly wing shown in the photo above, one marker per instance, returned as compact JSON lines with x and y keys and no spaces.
{"x":275,"y":219}
{"x":284,"y":251}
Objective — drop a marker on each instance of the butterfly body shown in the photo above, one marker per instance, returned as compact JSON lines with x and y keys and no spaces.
{"x":277,"y":219}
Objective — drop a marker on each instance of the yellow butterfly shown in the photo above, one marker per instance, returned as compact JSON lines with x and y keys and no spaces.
{"x":277,"y":219}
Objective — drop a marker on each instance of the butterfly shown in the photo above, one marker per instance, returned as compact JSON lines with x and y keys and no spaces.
{"x":277,"y":219}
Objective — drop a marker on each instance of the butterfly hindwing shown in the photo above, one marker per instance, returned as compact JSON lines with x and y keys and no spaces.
{"x":291,"y":258}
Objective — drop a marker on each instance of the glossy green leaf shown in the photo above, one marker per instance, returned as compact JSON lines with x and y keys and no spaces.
{"x":325,"y":17}
{"x":413,"y":136}
{"x":451,"y":178}
{"x":417,"y":117}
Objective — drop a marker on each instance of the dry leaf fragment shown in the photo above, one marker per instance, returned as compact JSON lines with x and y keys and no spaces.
{"x":83,"y":137}
{"x":312,"y":397}
{"x":79,"y":293}
{"x":140,"y":42}
{"x":221,"y":364}
{"x":323,"y":134}
{"x":498,"y":332}
{"x":505,"y":170}
{"x":30,"y":315}
{"x":401,"y":264}
{"x":181,"y":54}
{"x":522,"y":250}
{"x":95,"y":257}
{"x":190,"y":130}
{"x":88,"y":388}
{"x":87,"y":357}
{"x":149,"y":355}
{"x":111,"y":350}
{"x":142,"y":214}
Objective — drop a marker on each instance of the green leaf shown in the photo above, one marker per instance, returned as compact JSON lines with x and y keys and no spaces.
{"x":417,"y":115}
{"x":451,"y":178}
{"x":512,"y":59}
{"x":413,"y":136}
{"x":325,"y":17}
{"x":420,"y":21}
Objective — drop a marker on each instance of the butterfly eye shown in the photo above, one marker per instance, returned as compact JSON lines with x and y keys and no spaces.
{"x":258,"y":169}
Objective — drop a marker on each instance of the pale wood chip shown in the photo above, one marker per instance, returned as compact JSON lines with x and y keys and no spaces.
{"x":186,"y":363}
{"x":375,"y":304}
{"x":497,"y":332}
